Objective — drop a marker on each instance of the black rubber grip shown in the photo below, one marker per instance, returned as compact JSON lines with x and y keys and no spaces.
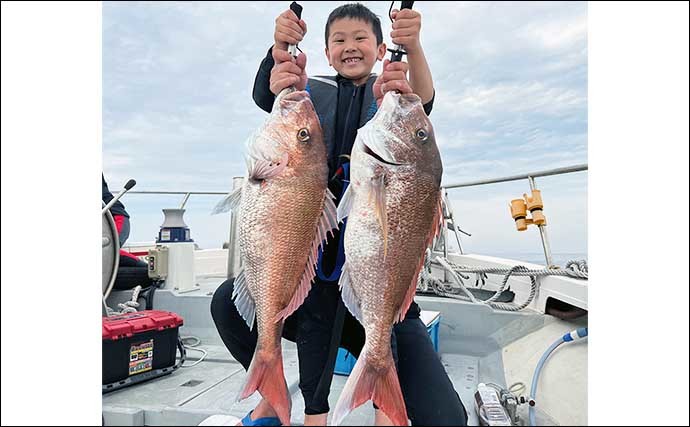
{"x":397,"y":54}
{"x":297,"y":9}
{"x":131,"y":183}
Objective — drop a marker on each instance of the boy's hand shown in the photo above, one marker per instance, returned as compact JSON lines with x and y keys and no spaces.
{"x":406,"y":26}
{"x":394,"y":77}
{"x":289,"y":30}
{"x":288,"y":71}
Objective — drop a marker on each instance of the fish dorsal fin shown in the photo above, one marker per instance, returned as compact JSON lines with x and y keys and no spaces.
{"x":349,"y":297}
{"x":260,"y":169}
{"x":326,"y":223}
{"x":231,"y":202}
{"x":243,"y":300}
{"x":438,"y":221}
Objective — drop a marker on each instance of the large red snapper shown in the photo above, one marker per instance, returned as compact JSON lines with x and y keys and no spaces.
{"x":393,"y":210}
{"x":285,"y":211}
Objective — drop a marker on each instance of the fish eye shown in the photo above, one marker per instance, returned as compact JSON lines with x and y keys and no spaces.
{"x":303,"y":134}
{"x":421,"y":135}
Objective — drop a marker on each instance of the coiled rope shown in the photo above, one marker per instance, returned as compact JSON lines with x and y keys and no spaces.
{"x":574,"y":269}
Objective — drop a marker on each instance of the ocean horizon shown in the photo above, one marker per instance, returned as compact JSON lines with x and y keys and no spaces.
{"x":560,"y":259}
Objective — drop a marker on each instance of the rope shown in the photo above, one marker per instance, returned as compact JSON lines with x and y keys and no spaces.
{"x":574,"y":269}
{"x":130,"y":306}
{"x":437,"y":286}
{"x":577,"y":265}
{"x":569,"y":271}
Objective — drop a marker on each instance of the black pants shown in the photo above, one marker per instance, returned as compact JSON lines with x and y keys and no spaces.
{"x":428,"y":392}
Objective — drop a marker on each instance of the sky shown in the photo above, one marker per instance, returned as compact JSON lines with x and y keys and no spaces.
{"x":511,"y":98}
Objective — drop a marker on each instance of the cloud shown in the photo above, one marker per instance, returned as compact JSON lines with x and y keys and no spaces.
{"x":510,"y":80}
{"x":558,"y":34}
{"x":529,"y":97}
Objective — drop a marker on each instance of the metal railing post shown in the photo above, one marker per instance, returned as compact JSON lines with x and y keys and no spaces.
{"x":184,"y":201}
{"x":542,"y":232}
{"x":452,"y":220}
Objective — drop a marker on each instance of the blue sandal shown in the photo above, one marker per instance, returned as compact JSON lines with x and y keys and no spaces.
{"x":265,"y":421}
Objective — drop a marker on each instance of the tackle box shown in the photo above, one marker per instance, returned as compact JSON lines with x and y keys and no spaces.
{"x":345,"y":361}
{"x":139,"y":346}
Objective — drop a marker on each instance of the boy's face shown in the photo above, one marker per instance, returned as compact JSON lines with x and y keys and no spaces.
{"x":352,"y":49}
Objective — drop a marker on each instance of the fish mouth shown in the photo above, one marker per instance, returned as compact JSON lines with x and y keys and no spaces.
{"x":368,"y":151}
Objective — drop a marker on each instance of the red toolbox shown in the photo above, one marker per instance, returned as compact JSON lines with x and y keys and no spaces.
{"x":140,"y":346}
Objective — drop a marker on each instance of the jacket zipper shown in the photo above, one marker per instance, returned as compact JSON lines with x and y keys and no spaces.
{"x":347,"y":121}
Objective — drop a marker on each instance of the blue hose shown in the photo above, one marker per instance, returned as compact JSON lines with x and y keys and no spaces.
{"x":570,"y":336}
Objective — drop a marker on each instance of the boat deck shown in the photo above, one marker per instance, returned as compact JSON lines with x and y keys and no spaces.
{"x":473,"y":342}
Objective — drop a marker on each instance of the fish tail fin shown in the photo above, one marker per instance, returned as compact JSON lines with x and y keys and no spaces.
{"x":266,"y":375}
{"x":380,"y":385}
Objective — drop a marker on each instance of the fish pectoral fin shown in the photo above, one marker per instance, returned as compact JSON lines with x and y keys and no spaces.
{"x":261,"y":169}
{"x":349,"y":297}
{"x":326,"y":224}
{"x":346,"y":203}
{"x":243,"y":300}
{"x":231,"y":202}
{"x":379,"y":195}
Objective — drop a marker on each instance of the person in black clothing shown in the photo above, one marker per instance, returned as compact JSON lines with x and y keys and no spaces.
{"x":344,"y":103}
{"x":131,"y":271}
{"x":118,"y":212}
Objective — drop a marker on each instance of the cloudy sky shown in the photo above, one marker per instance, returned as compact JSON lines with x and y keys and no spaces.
{"x":511,"y":97}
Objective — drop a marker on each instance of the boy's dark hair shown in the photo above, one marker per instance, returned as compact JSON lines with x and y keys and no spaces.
{"x":356,"y":11}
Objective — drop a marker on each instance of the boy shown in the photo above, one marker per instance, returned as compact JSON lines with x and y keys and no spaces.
{"x":344,"y":103}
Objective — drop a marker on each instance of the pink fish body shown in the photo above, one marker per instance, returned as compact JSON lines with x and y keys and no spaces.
{"x":393,"y":212}
{"x":285,"y":211}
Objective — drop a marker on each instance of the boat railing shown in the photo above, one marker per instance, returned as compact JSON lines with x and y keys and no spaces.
{"x":233,"y":255}
{"x":530,"y":176}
